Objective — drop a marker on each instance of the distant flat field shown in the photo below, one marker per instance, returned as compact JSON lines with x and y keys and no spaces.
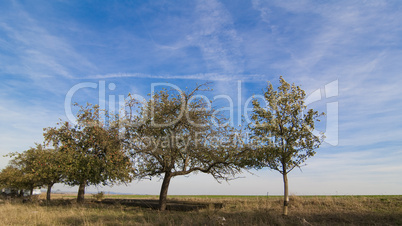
{"x":220,"y":196}
{"x":171,"y":196}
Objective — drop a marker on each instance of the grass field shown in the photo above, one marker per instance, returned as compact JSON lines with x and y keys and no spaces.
{"x":204,"y":210}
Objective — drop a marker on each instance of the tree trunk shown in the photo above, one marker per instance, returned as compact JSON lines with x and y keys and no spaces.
{"x":81,"y":192}
{"x":164,"y":191}
{"x":49,"y":191}
{"x":286,"y":194}
{"x":31,"y":191}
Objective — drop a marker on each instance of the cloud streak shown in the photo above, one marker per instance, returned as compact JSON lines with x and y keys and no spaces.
{"x":39,"y":54}
{"x":200,"y":76}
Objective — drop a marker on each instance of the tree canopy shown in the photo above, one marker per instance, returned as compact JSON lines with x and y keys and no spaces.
{"x":92,"y":150}
{"x":178,"y":133}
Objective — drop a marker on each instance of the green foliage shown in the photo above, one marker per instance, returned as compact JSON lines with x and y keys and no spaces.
{"x":284,"y":129}
{"x":177,"y":134}
{"x":35,"y":167}
{"x":11,"y":177}
{"x":21,"y":171}
{"x":47,"y":164}
{"x":91,"y":149}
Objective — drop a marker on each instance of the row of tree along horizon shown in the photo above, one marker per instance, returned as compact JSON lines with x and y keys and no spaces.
{"x":91,"y":152}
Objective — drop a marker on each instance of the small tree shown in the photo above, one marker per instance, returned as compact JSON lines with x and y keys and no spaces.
{"x":48,"y":166}
{"x":22,"y":170}
{"x":35,"y":167}
{"x":178,"y":134}
{"x":91,"y":150}
{"x":12,"y":178}
{"x":288,"y":131}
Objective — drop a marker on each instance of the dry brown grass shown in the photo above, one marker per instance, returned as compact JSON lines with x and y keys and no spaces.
{"x":348,"y":210}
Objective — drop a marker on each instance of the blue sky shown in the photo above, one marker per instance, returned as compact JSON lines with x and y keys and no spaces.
{"x":346,"y":54}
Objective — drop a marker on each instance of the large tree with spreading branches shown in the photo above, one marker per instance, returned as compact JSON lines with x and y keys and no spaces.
{"x":178,"y":133}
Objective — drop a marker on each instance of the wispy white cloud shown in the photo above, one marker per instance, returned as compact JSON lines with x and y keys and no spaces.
{"x":214,"y":33}
{"x":200,"y":76}
{"x":39,"y":53}
{"x":348,"y":41}
{"x":35,"y":67}
{"x":335,"y":35}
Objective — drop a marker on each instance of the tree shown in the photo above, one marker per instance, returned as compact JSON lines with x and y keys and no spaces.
{"x":35,"y":167}
{"x":48,"y":165}
{"x":21,"y":171}
{"x":178,"y":134}
{"x":12,"y":178}
{"x":285,"y":131}
{"x":91,"y":149}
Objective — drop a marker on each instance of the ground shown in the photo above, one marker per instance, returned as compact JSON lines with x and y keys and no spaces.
{"x":204,"y":210}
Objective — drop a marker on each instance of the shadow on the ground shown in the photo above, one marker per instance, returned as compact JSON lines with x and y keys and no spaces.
{"x":174,"y":205}
{"x":259,"y":217}
{"x":153,"y":204}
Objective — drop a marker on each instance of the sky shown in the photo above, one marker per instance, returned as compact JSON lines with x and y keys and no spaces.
{"x":346,"y":55}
